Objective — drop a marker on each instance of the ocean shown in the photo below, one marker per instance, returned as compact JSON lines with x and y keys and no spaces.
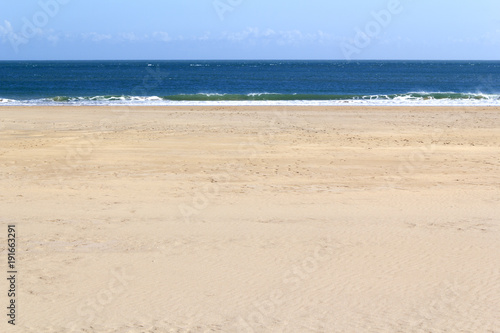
{"x":250,"y":83}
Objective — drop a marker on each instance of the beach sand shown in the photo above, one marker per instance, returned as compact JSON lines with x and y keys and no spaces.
{"x":252,"y":219}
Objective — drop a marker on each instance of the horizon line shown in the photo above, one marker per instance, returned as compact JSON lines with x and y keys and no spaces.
{"x":242,"y":59}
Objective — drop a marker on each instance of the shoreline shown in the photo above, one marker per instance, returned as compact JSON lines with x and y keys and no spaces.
{"x":254,"y":107}
{"x":260,"y":104}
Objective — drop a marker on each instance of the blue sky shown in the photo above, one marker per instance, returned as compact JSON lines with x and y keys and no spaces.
{"x":249,"y":29}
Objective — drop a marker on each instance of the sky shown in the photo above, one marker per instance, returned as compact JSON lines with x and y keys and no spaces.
{"x":249,"y":29}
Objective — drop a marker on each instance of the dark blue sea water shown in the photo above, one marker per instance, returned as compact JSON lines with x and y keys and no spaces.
{"x":250,"y":82}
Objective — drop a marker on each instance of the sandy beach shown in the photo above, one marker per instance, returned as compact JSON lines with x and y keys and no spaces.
{"x":252,"y":219}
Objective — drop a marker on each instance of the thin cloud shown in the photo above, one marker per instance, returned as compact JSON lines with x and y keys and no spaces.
{"x":131,"y":37}
{"x":249,"y":35}
{"x":281,"y":37}
{"x":162,"y":36}
{"x":95,"y":37}
{"x":8,"y":32}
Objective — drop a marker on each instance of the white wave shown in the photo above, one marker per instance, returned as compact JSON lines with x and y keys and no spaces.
{"x":208,"y":94}
{"x":266,"y":93}
{"x":422,"y":99}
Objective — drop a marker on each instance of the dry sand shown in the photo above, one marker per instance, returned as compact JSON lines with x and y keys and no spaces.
{"x":252,"y":219}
